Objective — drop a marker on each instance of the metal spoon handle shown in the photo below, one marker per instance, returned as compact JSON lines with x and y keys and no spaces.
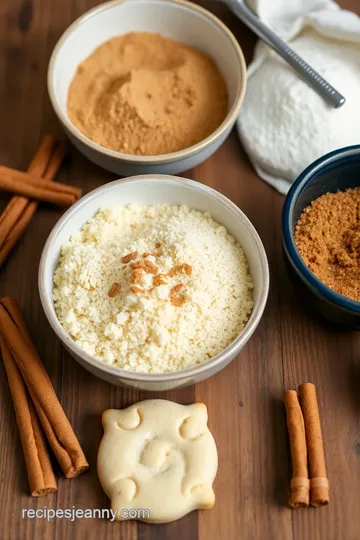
{"x":312,"y":77}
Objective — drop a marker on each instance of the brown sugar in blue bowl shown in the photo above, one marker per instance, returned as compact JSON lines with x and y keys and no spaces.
{"x":337,"y":171}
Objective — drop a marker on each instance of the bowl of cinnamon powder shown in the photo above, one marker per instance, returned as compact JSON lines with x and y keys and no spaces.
{"x":321,"y":235}
{"x":144,"y":86}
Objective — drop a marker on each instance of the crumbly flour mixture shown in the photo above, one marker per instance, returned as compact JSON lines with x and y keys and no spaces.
{"x":152,"y":289}
{"x":144,"y":94}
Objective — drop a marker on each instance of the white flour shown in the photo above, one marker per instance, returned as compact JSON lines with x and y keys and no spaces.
{"x":285,"y":125}
{"x":189,"y":304}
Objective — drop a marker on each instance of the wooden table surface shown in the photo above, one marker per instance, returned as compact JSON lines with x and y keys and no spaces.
{"x":244,"y":401}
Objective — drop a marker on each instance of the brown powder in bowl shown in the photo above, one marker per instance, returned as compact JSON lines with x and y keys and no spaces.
{"x":144,"y":94}
{"x":327,"y":236}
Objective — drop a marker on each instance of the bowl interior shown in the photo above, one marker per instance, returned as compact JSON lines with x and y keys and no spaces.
{"x":179,"y":21}
{"x":337,"y":171}
{"x":156,"y":190}
{"x":338,"y":175}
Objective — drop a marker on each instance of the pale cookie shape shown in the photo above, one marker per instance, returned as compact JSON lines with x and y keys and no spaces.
{"x":158,"y":455}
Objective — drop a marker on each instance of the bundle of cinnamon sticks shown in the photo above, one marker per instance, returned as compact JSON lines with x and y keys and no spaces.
{"x":37,"y":408}
{"x":307,"y":449}
{"x":35,"y":187}
{"x":35,"y":184}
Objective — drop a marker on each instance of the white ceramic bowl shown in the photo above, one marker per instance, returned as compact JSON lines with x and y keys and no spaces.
{"x":147,"y":190}
{"x":176,"y":19}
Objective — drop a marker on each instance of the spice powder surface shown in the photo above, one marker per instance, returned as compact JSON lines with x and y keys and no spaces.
{"x":144,"y":94}
{"x":327,"y":236}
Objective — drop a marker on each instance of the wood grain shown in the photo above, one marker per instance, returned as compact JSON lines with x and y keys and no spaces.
{"x":246,"y":413}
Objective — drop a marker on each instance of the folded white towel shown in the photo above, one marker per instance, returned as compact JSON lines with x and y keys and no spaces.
{"x":284,"y":124}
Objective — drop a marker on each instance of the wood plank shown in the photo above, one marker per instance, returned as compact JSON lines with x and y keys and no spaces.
{"x":243,"y":400}
{"x":313,"y":351}
{"x":246,"y":413}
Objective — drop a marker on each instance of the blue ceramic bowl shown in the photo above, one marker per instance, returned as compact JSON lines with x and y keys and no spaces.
{"x":333,"y":172}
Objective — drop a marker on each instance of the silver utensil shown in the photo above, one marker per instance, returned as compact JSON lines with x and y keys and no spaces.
{"x":312,"y":77}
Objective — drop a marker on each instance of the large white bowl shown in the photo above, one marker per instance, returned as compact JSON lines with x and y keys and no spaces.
{"x":147,"y":190}
{"x":176,"y":19}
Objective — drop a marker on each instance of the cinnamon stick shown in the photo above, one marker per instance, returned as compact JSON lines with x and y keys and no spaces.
{"x":39,"y":470}
{"x":13,"y":175}
{"x":52,"y":417}
{"x":299,"y":496}
{"x":27,"y":185}
{"x":319,"y":484}
{"x":46,"y":163}
{"x":9,"y":216}
{"x":17,"y":231}
{"x":54,"y":162}
{"x":17,"y":205}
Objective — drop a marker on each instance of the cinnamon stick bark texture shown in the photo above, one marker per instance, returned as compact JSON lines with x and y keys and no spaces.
{"x":20,"y":210}
{"x":17,"y":205}
{"x":34,"y":187}
{"x":319,"y":484}
{"x":39,"y":469}
{"x":34,"y":180}
{"x":299,"y":496}
{"x":17,"y":231}
{"x":52,"y":417}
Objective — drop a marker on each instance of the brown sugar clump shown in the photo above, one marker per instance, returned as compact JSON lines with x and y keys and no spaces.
{"x":327,"y":236}
{"x":176,"y":299}
{"x":159,"y":279}
{"x":181,"y":268}
{"x":144,"y":94}
{"x":150,"y":267}
{"x":136,"y":275}
{"x":129,"y":257}
{"x":114,"y":290}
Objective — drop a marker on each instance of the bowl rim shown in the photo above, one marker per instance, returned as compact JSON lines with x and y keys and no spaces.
{"x":229,"y":352}
{"x":161,"y":158}
{"x":289,"y":244}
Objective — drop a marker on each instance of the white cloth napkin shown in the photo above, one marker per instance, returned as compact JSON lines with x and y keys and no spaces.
{"x":288,"y":18}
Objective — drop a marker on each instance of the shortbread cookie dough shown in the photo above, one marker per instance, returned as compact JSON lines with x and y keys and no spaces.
{"x":158,"y":455}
